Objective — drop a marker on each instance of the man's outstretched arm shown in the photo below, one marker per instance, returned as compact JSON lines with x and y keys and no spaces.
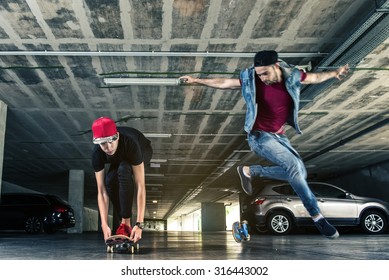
{"x":221,"y":83}
{"x":319,"y":77}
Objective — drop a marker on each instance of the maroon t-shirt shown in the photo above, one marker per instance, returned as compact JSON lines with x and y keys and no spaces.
{"x":274,"y":104}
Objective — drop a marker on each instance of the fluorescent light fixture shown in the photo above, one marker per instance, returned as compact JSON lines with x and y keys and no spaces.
{"x":158,"y":135}
{"x":142,"y":81}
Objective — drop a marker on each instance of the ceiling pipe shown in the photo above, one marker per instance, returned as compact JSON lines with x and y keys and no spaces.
{"x":153,"y":53}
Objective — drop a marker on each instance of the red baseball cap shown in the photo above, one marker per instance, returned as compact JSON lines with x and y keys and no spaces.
{"x":104,"y":129}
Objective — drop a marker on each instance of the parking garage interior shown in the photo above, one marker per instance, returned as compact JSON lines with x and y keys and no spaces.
{"x":56,"y":59}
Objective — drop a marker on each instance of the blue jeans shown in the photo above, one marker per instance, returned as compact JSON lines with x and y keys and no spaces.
{"x":288,"y":165}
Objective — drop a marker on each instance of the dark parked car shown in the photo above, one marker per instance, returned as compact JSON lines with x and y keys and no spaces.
{"x":278,"y":209}
{"x":35,"y":212}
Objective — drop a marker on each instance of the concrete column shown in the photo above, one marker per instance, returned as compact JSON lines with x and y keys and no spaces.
{"x":76,"y":198}
{"x":3,"y":121}
{"x":213,"y":216}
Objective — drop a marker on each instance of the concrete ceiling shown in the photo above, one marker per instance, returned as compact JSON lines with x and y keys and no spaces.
{"x":54,"y":94}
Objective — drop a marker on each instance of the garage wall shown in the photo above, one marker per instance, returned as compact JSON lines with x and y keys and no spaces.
{"x":372,"y":181}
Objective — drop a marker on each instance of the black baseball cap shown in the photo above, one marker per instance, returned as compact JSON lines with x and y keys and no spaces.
{"x":265,"y":58}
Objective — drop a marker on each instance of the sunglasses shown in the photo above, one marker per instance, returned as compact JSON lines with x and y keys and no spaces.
{"x":105,"y":140}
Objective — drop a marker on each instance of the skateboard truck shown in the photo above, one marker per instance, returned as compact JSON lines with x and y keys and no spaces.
{"x":123,"y":248}
{"x":121,"y":244}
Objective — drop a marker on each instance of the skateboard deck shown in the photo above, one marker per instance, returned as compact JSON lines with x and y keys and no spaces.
{"x":121,"y":244}
{"x":240,"y":231}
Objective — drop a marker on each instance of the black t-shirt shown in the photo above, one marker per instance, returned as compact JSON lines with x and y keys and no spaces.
{"x":131,"y":148}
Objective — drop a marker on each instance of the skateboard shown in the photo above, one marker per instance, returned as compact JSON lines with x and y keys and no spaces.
{"x":240,"y":231}
{"x":121,"y":244}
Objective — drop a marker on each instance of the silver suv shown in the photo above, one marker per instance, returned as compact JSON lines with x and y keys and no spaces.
{"x":279,"y":209}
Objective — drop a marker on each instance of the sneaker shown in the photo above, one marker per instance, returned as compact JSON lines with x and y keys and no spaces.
{"x":236,"y":233}
{"x":244,"y":230}
{"x":124,"y":229}
{"x":245,"y":181}
{"x":240,"y":231}
{"x":326,"y":229}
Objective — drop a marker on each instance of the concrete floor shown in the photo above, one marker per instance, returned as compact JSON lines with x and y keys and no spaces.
{"x":195,"y":246}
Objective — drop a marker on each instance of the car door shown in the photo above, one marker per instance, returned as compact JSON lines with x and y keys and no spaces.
{"x":334,"y":203}
{"x":291,"y":201}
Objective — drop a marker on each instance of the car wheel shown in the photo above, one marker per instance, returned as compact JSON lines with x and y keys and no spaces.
{"x":33,"y":225}
{"x":373,"y":222}
{"x":279,"y":223}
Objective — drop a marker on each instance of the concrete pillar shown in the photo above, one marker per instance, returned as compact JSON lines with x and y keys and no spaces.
{"x":213,"y":216}
{"x":3,"y":121}
{"x":76,"y":198}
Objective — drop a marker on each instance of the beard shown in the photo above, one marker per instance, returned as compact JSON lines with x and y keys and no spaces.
{"x":270,"y":82}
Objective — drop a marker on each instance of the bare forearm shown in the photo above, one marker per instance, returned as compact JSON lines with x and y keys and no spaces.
{"x":139,"y":179}
{"x":221,"y":83}
{"x":317,"y":78}
{"x":141,"y":202}
{"x":214,"y":82}
{"x":103,"y":203}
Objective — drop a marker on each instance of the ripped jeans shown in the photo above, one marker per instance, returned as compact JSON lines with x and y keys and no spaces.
{"x":288,"y":165}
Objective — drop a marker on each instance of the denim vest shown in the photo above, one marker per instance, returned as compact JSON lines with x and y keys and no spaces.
{"x":291,"y":76}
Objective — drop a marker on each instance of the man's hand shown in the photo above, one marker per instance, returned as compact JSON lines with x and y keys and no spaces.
{"x":342,"y":71}
{"x":136,"y":234}
{"x":187,"y":80}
